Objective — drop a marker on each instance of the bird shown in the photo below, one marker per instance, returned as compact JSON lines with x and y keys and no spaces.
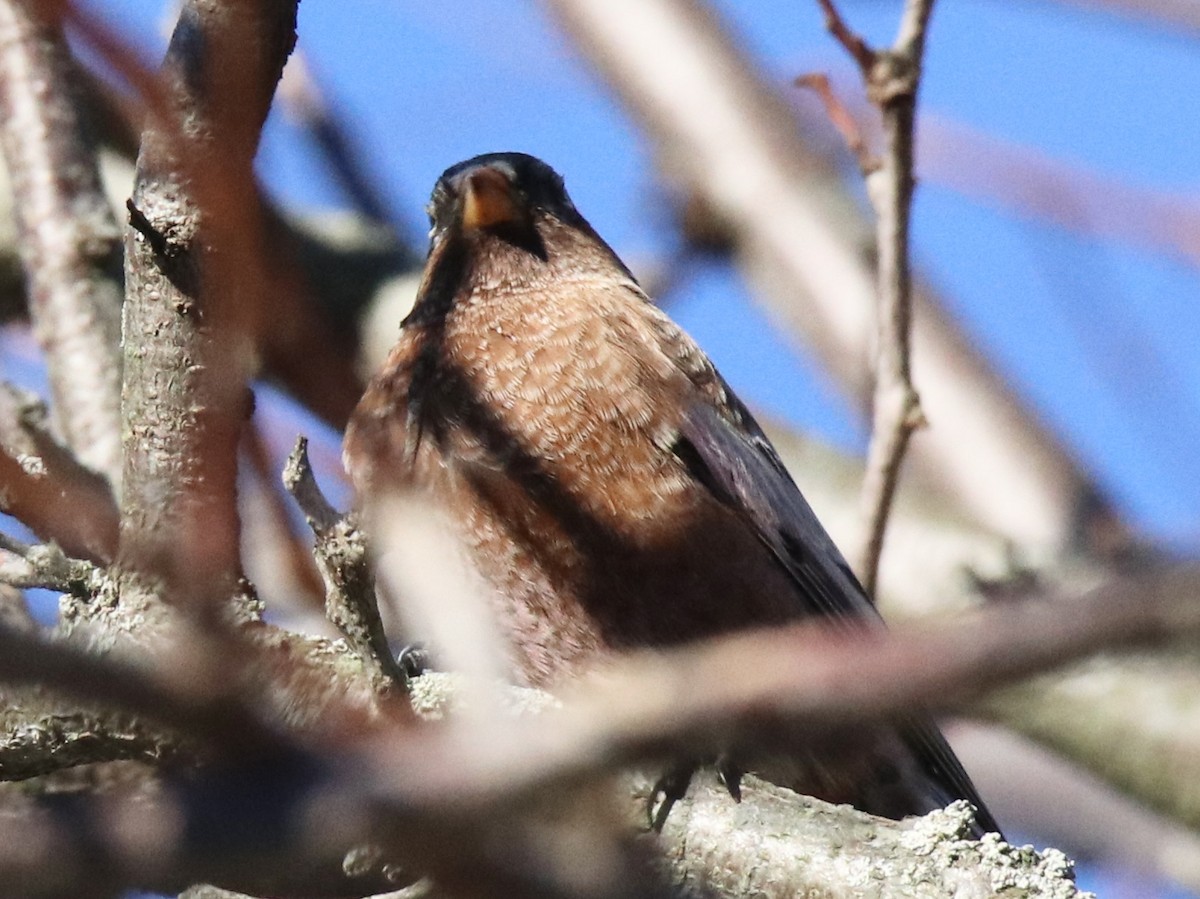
{"x":606,"y":483}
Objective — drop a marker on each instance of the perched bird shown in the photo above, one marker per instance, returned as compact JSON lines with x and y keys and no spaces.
{"x":606,"y":482}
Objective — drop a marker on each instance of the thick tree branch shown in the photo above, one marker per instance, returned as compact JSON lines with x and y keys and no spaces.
{"x":39,"y":736}
{"x":69,"y":241}
{"x":194,"y":281}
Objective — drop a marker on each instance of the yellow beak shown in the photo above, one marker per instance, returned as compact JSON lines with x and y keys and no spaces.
{"x":488,"y":200}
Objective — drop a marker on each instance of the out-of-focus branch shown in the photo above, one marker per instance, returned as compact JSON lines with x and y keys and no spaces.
{"x":1033,"y":789}
{"x":69,"y":240}
{"x":822,"y":684}
{"x":841,"y":118}
{"x":1108,"y":715}
{"x":725,"y":135}
{"x":45,"y":566}
{"x":301,"y":96}
{"x":341,"y":554}
{"x":448,"y":797}
{"x":1028,"y":182}
{"x":1179,"y":15}
{"x":43,"y":485}
{"x":14,"y":611}
{"x":893,"y":77}
{"x":40,"y":737}
{"x":278,"y":555}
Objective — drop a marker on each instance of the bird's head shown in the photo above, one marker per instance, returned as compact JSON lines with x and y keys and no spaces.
{"x":509,"y":195}
{"x":504,"y":218}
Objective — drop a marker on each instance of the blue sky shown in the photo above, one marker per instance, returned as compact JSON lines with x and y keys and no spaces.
{"x":1100,"y":339}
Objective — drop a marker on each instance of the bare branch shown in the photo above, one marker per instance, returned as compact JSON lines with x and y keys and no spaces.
{"x":720,"y":129}
{"x":43,"y":485}
{"x":46,"y":566}
{"x":69,"y":241}
{"x":450,"y":797}
{"x":194,"y":281}
{"x":301,"y":483}
{"x":892,"y":79}
{"x":341,"y":554}
{"x":40,"y":737}
{"x":802,"y":681}
{"x":858,"y":49}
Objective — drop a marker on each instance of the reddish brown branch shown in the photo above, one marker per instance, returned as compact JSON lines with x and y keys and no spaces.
{"x":841,"y":119}
{"x":69,"y":241}
{"x":44,"y":486}
{"x":858,"y":48}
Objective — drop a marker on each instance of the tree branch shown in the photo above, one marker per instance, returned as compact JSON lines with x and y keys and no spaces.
{"x":892,"y":78}
{"x":45,"y":487}
{"x":341,"y":554}
{"x":727,"y":136}
{"x":69,"y":241}
{"x":194,"y":281}
{"x":450,"y":794}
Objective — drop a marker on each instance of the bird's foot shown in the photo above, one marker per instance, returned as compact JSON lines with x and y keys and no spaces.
{"x":674,"y":783}
{"x":414,"y":659}
{"x":669,"y":789}
{"x":730,"y":775}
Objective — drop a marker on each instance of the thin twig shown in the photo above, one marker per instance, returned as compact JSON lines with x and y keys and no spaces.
{"x":69,"y":239}
{"x":892,"y":77}
{"x":285,"y":556}
{"x":803,"y":243}
{"x":44,"y":565}
{"x":301,"y":484}
{"x":858,"y":48}
{"x":341,"y":553}
{"x":842,"y":120}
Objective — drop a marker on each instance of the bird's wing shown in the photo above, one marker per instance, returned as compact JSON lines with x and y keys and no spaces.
{"x":725,"y":450}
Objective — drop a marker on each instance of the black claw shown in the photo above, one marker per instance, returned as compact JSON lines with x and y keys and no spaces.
{"x":669,"y":789}
{"x":414,"y":659}
{"x":730,"y":776}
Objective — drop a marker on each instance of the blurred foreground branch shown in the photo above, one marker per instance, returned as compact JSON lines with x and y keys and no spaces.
{"x":69,"y":240}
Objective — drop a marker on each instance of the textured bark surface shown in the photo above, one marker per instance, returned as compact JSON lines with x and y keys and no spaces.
{"x":192,"y":279}
{"x":776,"y":843}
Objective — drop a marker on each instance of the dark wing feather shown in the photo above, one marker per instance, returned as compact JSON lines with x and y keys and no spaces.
{"x":727,"y":452}
{"x":732,"y":457}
